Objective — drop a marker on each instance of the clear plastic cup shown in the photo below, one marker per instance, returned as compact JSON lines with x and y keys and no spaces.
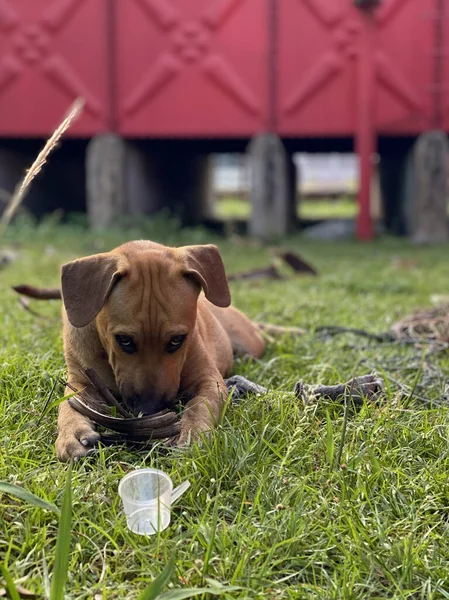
{"x":147,"y":496}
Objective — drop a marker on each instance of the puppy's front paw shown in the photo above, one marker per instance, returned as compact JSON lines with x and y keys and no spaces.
{"x":185,"y":438}
{"x":189,"y":436}
{"x":179,"y":441}
{"x":76,"y":443}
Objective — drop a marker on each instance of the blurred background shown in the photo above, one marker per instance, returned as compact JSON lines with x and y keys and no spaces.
{"x":264,"y":116}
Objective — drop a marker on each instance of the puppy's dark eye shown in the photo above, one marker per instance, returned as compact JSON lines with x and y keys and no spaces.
{"x":175,"y":343}
{"x":126,"y":343}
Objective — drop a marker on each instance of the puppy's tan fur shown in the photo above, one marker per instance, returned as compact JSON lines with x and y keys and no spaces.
{"x":151,"y":294}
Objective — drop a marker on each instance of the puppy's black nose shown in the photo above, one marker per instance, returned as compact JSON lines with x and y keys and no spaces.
{"x":145,"y":404}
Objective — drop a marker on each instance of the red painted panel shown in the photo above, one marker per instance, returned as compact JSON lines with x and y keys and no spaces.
{"x":404,"y":66}
{"x":441,"y":89}
{"x":316,"y":67}
{"x":202,"y":67}
{"x":52,"y":51}
{"x":319,"y":49}
{"x":192,"y":67}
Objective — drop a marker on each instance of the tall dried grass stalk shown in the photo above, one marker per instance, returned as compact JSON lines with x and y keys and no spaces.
{"x":22,"y":188}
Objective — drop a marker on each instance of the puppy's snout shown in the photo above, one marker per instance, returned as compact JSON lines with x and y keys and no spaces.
{"x":147,"y":404}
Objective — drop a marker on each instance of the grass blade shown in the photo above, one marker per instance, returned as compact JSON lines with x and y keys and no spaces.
{"x":46,"y":577}
{"x":60,"y":570}
{"x":181,"y":594}
{"x":153,"y":590}
{"x":47,"y":402}
{"x":329,"y":440}
{"x":343,"y":431}
{"x":28,"y":497}
{"x":12,"y":590}
{"x":52,"y":143}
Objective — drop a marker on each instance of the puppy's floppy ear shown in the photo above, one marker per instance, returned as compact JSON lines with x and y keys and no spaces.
{"x":205,"y":266}
{"x":86,"y":284}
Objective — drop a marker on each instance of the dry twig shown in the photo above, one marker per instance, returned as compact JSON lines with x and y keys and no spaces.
{"x":425,"y":325}
{"x":295,"y":262}
{"x":25,"y":304}
{"x":369,"y":386}
{"x":106,"y":393}
{"x":90,"y":403}
{"x":298,"y":264}
{"x":264,"y":273}
{"x":38,"y":293}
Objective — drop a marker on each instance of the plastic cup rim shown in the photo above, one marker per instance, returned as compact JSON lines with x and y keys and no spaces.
{"x":148,"y":471}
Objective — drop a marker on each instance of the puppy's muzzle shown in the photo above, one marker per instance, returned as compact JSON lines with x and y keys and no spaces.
{"x":146,"y":404}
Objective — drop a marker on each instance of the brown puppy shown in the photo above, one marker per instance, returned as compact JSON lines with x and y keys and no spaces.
{"x":138,"y":317}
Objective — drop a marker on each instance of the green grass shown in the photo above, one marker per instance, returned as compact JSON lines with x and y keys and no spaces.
{"x":319,"y":208}
{"x":270,"y":510}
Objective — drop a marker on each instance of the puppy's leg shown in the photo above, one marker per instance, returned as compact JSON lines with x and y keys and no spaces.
{"x":76,"y":434}
{"x":203,"y":411}
{"x":243,"y":334}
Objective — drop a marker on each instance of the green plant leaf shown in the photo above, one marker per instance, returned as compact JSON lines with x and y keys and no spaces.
{"x":62,"y":550}
{"x":181,"y":594}
{"x":28,"y":497}
{"x":153,"y":590}
{"x":12,"y":590}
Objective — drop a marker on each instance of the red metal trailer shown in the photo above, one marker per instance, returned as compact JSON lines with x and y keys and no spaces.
{"x":228,"y":69}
